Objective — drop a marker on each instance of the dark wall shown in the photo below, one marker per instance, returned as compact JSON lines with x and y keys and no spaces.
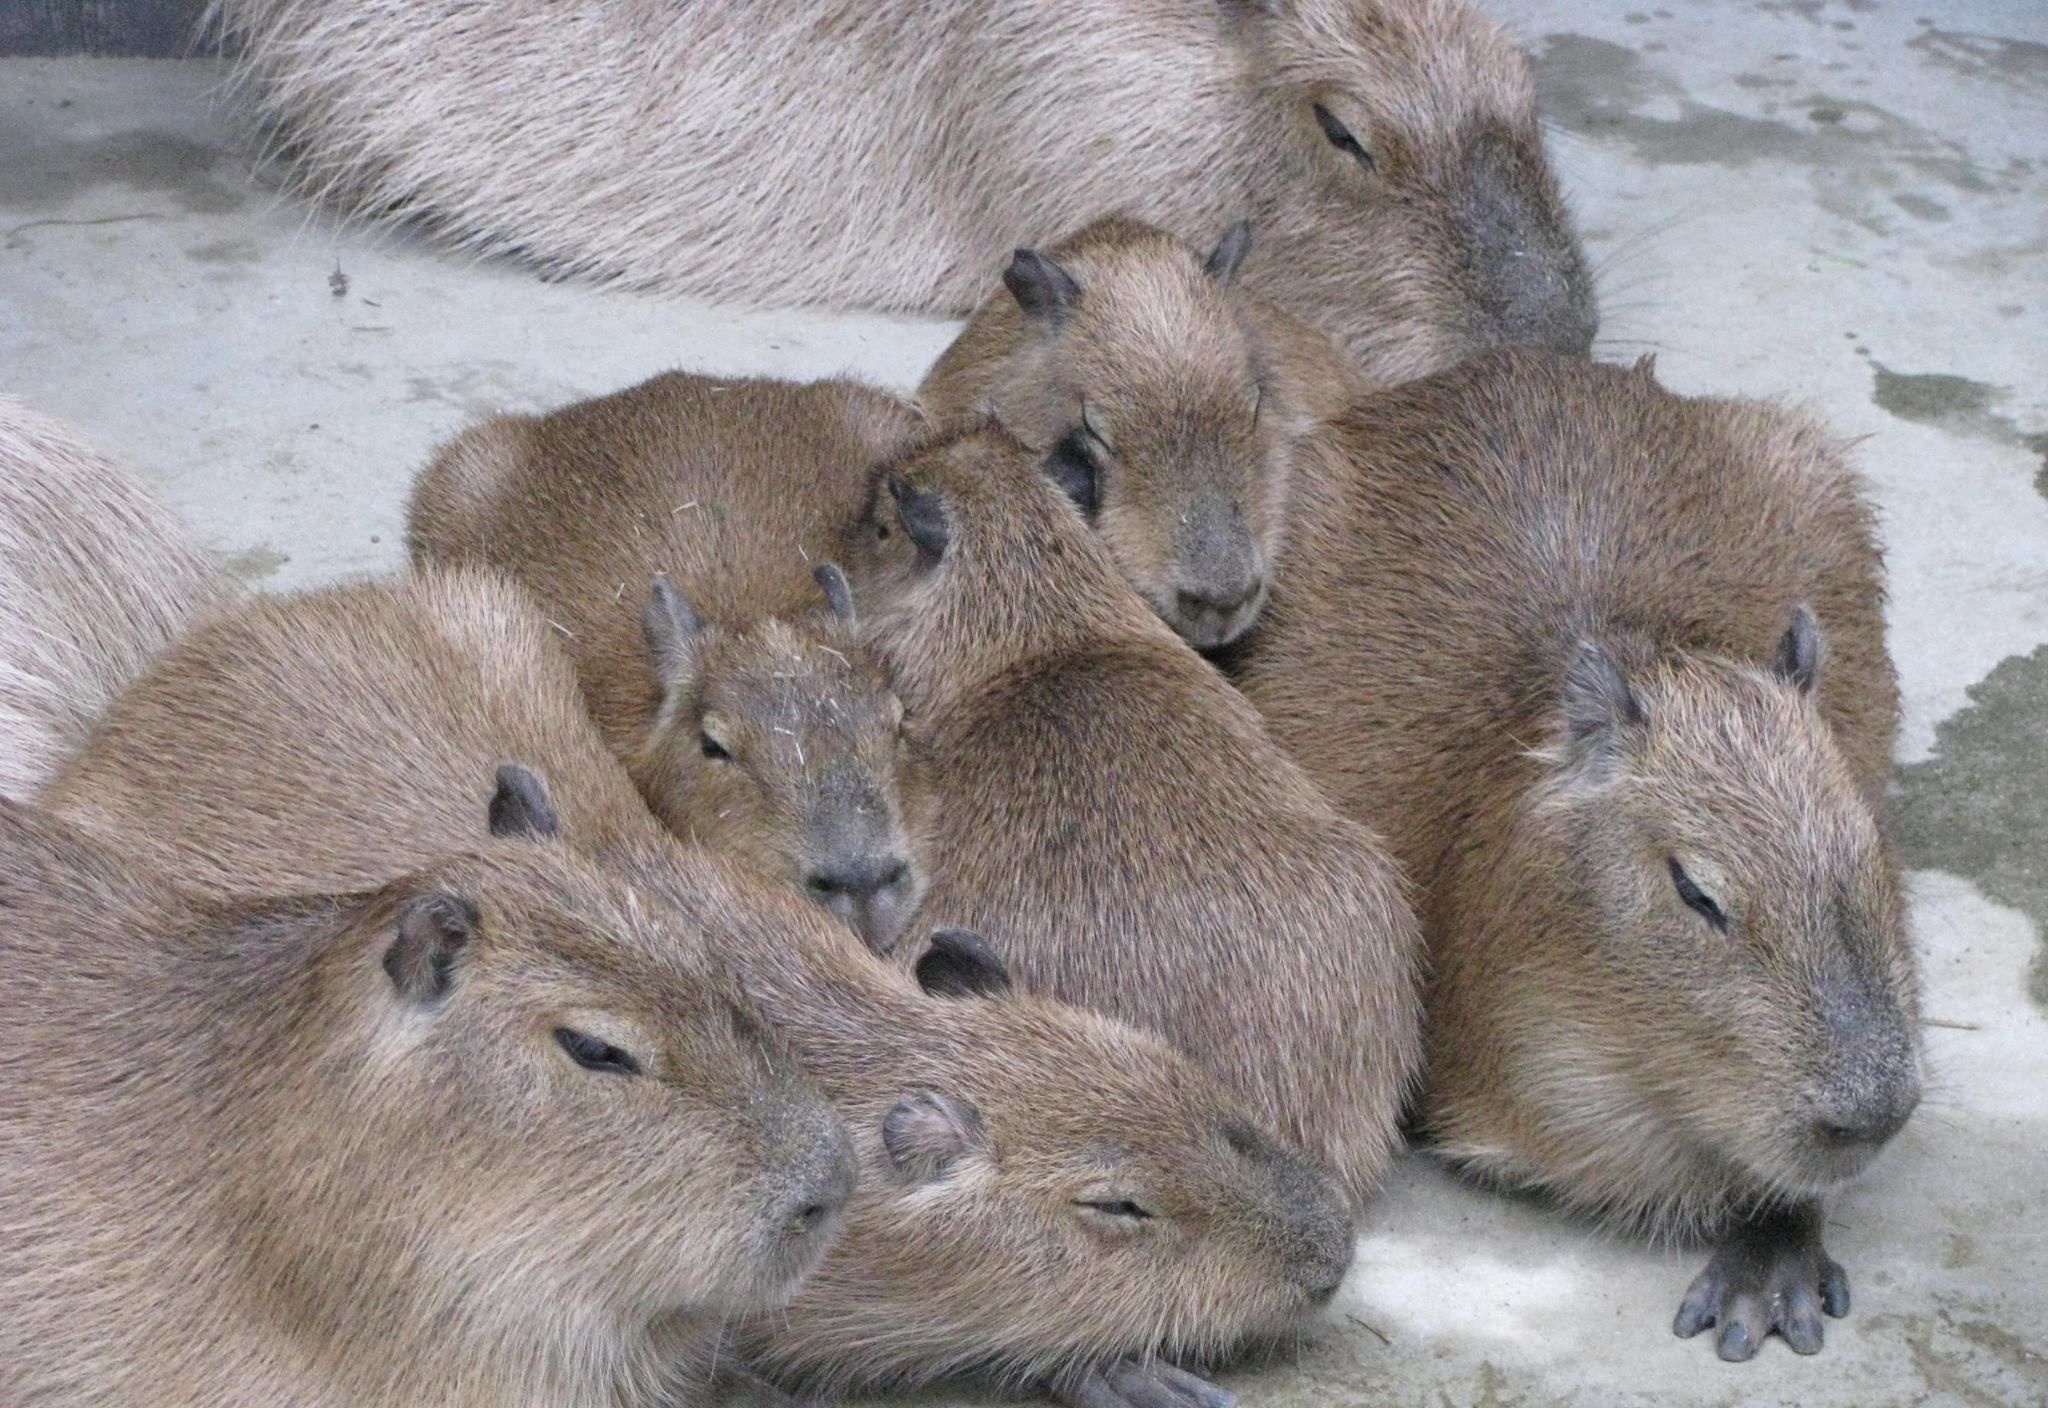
{"x":150,"y":28}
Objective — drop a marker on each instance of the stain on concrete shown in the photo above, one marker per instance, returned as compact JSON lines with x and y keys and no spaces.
{"x":1957,"y":1251}
{"x":1853,"y":150}
{"x":228,"y":251}
{"x":1814,"y":12}
{"x":1978,"y":806}
{"x":1920,"y":207}
{"x":1958,"y":405}
{"x":253,"y":566}
{"x":43,"y":172}
{"x":2017,"y":63}
{"x":1967,"y":1360}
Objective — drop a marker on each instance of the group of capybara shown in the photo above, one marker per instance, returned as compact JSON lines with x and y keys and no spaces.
{"x":803,"y":891}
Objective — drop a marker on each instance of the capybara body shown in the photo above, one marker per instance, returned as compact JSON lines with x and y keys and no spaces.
{"x":891,"y":154}
{"x":1606,"y":666}
{"x":95,"y":576}
{"x":1117,"y":820}
{"x":1166,"y":401}
{"x":742,"y":704}
{"x":337,"y":1150}
{"x":1042,"y":1191}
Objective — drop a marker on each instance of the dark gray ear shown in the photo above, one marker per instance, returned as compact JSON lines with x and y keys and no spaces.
{"x":432,"y":929}
{"x":1229,"y":253}
{"x":838,"y":594}
{"x":1042,"y":288}
{"x":521,"y":805}
{"x":1798,"y":659}
{"x":926,"y":1132}
{"x":1598,"y":704}
{"x":960,"y":963}
{"x":671,"y":627}
{"x":923,"y":514}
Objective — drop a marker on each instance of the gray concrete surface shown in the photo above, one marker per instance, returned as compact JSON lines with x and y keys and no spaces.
{"x":1839,"y":202}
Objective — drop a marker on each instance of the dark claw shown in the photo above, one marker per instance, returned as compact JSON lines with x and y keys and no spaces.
{"x":1834,"y":1289}
{"x":1770,"y":1275}
{"x":1735,"y":1343}
{"x":1799,"y":1322}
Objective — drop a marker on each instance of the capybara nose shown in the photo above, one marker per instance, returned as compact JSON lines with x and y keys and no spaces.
{"x":1215,"y":615}
{"x":871,"y":894}
{"x":816,"y":1206}
{"x":1871,"y":1119}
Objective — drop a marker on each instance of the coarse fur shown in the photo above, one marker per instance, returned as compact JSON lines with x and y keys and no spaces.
{"x":1117,"y":820}
{"x":329,"y":1151}
{"x":890,"y":154}
{"x":742,"y":704}
{"x":1552,"y":631}
{"x":1166,"y":399}
{"x":970,"y":1246}
{"x":95,"y":575}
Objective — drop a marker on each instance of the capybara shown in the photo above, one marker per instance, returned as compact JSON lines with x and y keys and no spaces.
{"x":1606,"y":666}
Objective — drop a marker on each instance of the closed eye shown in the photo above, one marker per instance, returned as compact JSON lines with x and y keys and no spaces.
{"x":713,"y":749}
{"x":1115,"y":1207}
{"x":1696,"y":899}
{"x":1341,"y":138}
{"x":594,"y":1055}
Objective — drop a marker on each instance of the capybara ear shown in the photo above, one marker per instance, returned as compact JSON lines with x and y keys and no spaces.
{"x":923,"y":515}
{"x":1071,"y":465}
{"x":961,"y":963}
{"x":671,"y":626}
{"x":432,"y":930}
{"x":521,"y":805}
{"x":926,"y":1133}
{"x":838,"y":592}
{"x":1798,"y":659}
{"x":1229,"y":253}
{"x":1044,"y":290}
{"x":1598,"y":706}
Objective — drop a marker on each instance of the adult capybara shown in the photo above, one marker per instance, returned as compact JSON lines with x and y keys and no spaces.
{"x":1606,"y":666}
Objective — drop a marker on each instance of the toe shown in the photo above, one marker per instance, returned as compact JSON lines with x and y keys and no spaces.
{"x":1799,"y":1320}
{"x":1092,"y":1392}
{"x":1834,"y":1289}
{"x":1696,"y":1311}
{"x":1196,"y":1389}
{"x":1740,"y":1331}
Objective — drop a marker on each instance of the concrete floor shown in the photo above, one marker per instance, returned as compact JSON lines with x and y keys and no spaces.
{"x":1839,"y":202}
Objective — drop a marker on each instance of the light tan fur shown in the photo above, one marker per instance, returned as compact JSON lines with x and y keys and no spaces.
{"x":984,"y":1261}
{"x":241,"y":1162}
{"x":1172,"y":399}
{"x":95,"y":575}
{"x":1116,"y":818}
{"x":1528,"y":633}
{"x":769,"y":733}
{"x":890,"y":153}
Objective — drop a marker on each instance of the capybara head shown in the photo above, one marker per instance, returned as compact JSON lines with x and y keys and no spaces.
{"x":781,"y":743}
{"x":1131,"y":363}
{"x":1412,"y":163}
{"x":978,"y":562}
{"x":1739,"y":893}
{"x":620,"y":1130}
{"x":1049,"y":1190}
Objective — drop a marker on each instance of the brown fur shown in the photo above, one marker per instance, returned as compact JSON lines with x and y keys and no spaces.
{"x":242,"y":1162}
{"x":1172,"y":396}
{"x":890,"y":153}
{"x":95,"y":575}
{"x":983,"y":1262}
{"x":1457,"y":541}
{"x":1116,"y":818}
{"x":678,"y":476}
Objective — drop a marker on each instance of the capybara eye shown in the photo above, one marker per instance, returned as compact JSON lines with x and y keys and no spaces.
{"x":594,"y":1055}
{"x":713,"y":749}
{"x":1116,"y":1207}
{"x":1341,"y":138}
{"x":1697,"y":899}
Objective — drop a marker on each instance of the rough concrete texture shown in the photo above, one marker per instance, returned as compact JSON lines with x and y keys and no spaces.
{"x":1843,"y":203}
